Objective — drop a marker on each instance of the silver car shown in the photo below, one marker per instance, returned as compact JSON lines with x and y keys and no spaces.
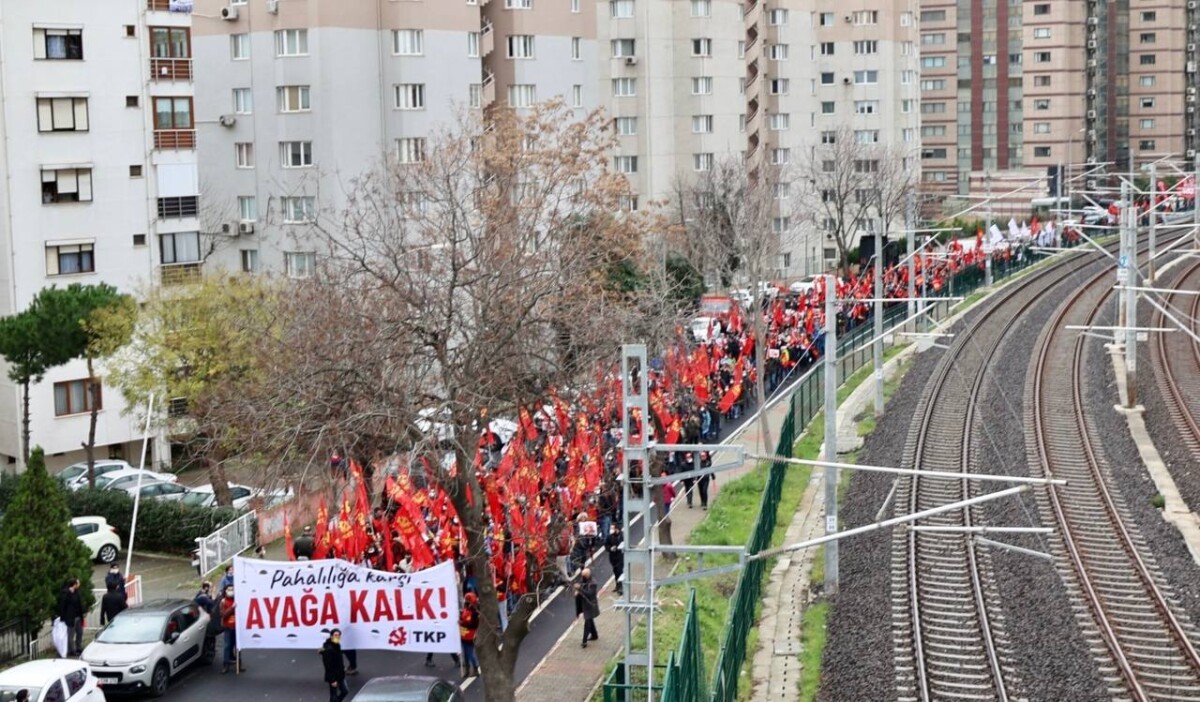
{"x":408,"y":688}
{"x":143,"y":647}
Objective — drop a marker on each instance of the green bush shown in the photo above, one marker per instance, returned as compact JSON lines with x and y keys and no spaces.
{"x":168,"y":527}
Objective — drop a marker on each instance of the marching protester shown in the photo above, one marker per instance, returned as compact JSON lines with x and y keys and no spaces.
{"x":69,"y":611}
{"x":614,"y":544}
{"x":229,"y":623}
{"x":335,"y":670}
{"x":115,"y":578}
{"x":305,"y":545}
{"x":112,"y":604}
{"x":587,"y":604}
{"x":468,"y":625}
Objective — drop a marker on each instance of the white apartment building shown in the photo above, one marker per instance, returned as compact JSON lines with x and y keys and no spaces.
{"x":99,"y":186}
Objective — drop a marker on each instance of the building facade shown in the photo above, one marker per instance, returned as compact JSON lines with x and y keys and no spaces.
{"x":99,"y":186}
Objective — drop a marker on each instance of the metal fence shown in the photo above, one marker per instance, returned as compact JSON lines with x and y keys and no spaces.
{"x":684,"y":671}
{"x":13,"y":641}
{"x":219,"y":547}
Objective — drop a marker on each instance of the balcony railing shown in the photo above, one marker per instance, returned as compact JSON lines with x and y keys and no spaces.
{"x":171,"y":69}
{"x":175,"y":138}
{"x":178,"y":207}
{"x":180,"y":273}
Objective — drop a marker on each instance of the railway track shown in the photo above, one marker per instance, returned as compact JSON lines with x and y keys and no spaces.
{"x":1176,"y":358}
{"x":946,"y":632}
{"x":1144,"y":644}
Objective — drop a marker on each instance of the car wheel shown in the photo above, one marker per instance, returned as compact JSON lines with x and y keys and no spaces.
{"x":160,"y":680}
{"x":209,"y":653}
{"x":107,"y":554}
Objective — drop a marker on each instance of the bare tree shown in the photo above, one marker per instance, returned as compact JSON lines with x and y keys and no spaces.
{"x":854,"y":185}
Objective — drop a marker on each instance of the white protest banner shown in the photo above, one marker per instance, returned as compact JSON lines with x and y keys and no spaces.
{"x":295,"y":604}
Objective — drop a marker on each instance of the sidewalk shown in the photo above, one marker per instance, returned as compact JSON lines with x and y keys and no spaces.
{"x":570,"y":673}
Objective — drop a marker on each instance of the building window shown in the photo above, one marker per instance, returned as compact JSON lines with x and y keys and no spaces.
{"x":1146,"y":145}
{"x":624,"y":87}
{"x":702,"y":47}
{"x":77,"y":397}
{"x":410,"y":96}
{"x":933,"y":16}
{"x":295,"y":154}
{"x":932,"y":39}
{"x":1147,"y":38}
{"x":702,"y":162}
{"x":1149,"y":16}
{"x":620,"y":9}
{"x":701,"y":8}
{"x":1147,"y":81}
{"x":827,"y":78}
{"x":866,"y":77}
{"x":576,"y":49}
{"x":1041,"y":81}
{"x":520,"y":46}
{"x":473,"y":44}
{"x":827,"y":48}
{"x":625,"y":164}
{"x":243,"y":101}
{"x":522,"y":95}
{"x":779,"y":86}
{"x":626,"y":126}
{"x":247,"y":208}
{"x":475,"y":94}
{"x":827,"y":19}
{"x":291,"y":42}
{"x":828,"y":137}
{"x":777,"y":52}
{"x":777,"y":17}
{"x":780,"y":121}
{"x":294,"y":98}
{"x":298,"y":209}
{"x":58,"y":44}
{"x":1043,"y":104}
{"x":866,"y":107}
{"x":173,"y":113}
{"x":576,"y":96}
{"x":300,"y":264}
{"x":1041,"y":151}
{"x":780,"y":157}
{"x":65,"y":114}
{"x":623,"y":48}
{"x":170,"y":42}
{"x":1041,"y":32}
{"x":575,"y":6}
{"x":1042,"y":8}
{"x":70,"y":259}
{"x":866,"y":166}
{"x":410,"y":150}
{"x":1146,"y":123}
{"x":827,"y":107}
{"x":780,"y":225}
{"x":1041,"y":127}
{"x":244,"y":154}
{"x":178,"y":207}
{"x":863,"y":17}
{"x":1147,"y":59}
{"x":866,"y":46}
{"x":135,"y":171}
{"x":518,"y":4}
{"x":702,"y":124}
{"x":866,"y":136}
{"x":66,"y":185}
{"x":239,"y":46}
{"x":933,"y":108}
{"x":249,"y":260}
{"x":180,"y":247}
{"x":782,"y":191}
{"x":702,"y":85}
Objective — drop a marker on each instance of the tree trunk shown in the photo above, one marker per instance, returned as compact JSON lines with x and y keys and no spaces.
{"x":90,"y":445}
{"x":25,"y":422}
{"x":220,"y":483}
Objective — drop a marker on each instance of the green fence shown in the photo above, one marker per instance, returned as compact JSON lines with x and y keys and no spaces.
{"x":683,"y":676}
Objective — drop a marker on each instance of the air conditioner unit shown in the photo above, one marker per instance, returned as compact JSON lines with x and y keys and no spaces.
{"x":849,"y":19}
{"x":1093,"y":21}
{"x":1191,"y":5}
{"x":227,"y":120}
{"x":1191,"y":48}
{"x":1190,"y":153}
{"x":1191,"y":98}
{"x":1190,"y":67}
{"x":1091,"y":114}
{"x":229,"y":13}
{"x":245,"y":227}
{"x":1191,"y":90}
{"x":1091,"y":45}
{"x":1091,"y":92}
{"x":846,"y":80}
{"x":1091,"y":135}
{"x":1191,"y":109}
{"x":273,"y":6}
{"x":631,"y":60}
{"x":1191,"y":132}
{"x":1092,"y":63}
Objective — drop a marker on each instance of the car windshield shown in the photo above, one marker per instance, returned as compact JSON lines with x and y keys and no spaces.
{"x":70,"y":473}
{"x":8,"y":693}
{"x":197,"y":499}
{"x":402,"y":692}
{"x":133,"y":628}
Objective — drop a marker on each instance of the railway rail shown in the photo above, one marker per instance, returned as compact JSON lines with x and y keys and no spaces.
{"x":1176,"y":358}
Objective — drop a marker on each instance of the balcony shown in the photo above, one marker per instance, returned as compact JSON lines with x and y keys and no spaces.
{"x":175,"y":139}
{"x":487,"y":41}
{"x":180,"y":273}
{"x":178,"y":207}
{"x":489,"y":89}
{"x":171,"y":69}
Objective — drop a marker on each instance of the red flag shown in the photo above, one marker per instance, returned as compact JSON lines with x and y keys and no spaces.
{"x":322,"y":531}
{"x":287,"y":537}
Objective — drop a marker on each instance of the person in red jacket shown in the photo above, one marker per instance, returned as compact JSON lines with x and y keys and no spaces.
{"x":468,"y":625}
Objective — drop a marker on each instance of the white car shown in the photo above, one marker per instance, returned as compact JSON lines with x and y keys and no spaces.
{"x":51,"y":680}
{"x":158,"y":490}
{"x":99,"y":536}
{"x":125,"y":479}
{"x":203,"y":496}
{"x":704,"y":328}
{"x":144,"y":646}
{"x":74,"y":476}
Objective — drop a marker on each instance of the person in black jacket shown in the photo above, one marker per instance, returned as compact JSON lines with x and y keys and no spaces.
{"x":614,"y":543}
{"x":305,"y":546}
{"x":335,"y":668}
{"x":112,"y":604}
{"x":70,"y":610}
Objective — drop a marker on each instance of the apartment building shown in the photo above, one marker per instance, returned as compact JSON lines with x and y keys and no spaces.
{"x":1011,"y":90}
{"x":99,"y":185}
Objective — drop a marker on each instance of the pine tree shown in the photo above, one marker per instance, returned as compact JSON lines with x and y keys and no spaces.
{"x":39,"y":549}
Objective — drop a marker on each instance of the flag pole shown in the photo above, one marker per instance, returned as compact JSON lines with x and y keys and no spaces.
{"x":137,"y":493}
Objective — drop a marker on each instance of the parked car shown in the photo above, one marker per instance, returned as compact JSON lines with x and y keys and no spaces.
{"x":51,"y":680}
{"x":408,"y":688}
{"x":124,"y":479}
{"x":158,"y":490}
{"x":74,"y":476}
{"x":203,"y":496}
{"x":99,"y":536}
{"x":704,"y":327}
{"x":142,"y":647}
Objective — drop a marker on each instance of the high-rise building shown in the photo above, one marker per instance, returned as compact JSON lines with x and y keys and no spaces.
{"x":99,"y":185}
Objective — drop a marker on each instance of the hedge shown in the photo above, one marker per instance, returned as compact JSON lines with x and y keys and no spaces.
{"x":169,"y":527}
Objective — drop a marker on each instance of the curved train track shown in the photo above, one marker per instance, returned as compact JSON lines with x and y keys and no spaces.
{"x":1176,"y":358}
{"x":1146,"y":646}
{"x":947,"y":639}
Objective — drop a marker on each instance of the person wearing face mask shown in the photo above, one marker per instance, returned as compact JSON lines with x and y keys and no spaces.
{"x":335,"y":668}
{"x":229,"y":624}
{"x":115,"y":579}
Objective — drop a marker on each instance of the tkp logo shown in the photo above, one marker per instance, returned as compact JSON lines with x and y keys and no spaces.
{"x":399,"y":637}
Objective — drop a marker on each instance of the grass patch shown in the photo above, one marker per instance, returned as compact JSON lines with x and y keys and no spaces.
{"x":813,"y":638}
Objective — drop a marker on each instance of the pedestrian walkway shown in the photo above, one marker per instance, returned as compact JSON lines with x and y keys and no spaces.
{"x":570,"y":673}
